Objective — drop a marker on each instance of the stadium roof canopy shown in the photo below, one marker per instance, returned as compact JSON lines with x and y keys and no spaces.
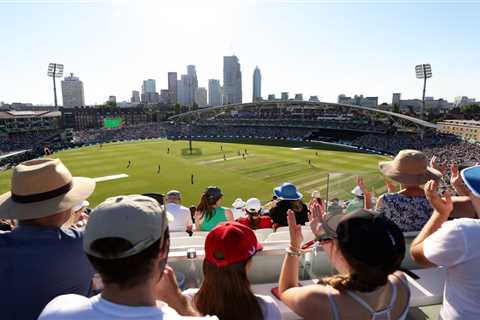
{"x":28,"y":114}
{"x":302,"y":104}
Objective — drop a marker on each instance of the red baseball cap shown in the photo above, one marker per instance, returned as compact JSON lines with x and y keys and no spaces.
{"x":230,"y":243}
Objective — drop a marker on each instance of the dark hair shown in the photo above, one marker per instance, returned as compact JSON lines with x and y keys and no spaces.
{"x":296,"y":205}
{"x":226,"y":293}
{"x":253,"y":223}
{"x":192,"y":212}
{"x":125,"y":272}
{"x":206,"y":205}
{"x":364,"y":277}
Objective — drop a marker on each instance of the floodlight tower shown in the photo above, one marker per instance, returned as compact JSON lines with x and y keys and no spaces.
{"x":55,"y":70}
{"x":423,"y":71}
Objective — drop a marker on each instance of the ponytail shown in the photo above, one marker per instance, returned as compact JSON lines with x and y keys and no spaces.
{"x":361,"y":282}
{"x":206,"y":207}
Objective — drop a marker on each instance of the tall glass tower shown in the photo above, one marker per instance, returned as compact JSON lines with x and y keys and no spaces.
{"x":257,"y":85}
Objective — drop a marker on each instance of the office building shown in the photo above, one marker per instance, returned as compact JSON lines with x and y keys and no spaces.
{"x":135,"y":97}
{"x":396,"y":98}
{"x":232,"y":80}
{"x":72,"y":92}
{"x":298,"y":97}
{"x":150,"y":98}
{"x":257,"y":85}
{"x":359,"y":100}
{"x":467,"y":129}
{"x":214,"y":93}
{"x":187,"y":87}
{"x":271,"y":97}
{"x":201,"y":97}
{"x":172,"y":88}
{"x":463,"y":100}
{"x":314,"y":99}
{"x":149,"y":86}
{"x":284,"y":96}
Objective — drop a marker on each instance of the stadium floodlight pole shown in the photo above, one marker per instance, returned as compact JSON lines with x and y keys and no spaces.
{"x":423,"y":71}
{"x":55,"y":70}
{"x":328,"y":186}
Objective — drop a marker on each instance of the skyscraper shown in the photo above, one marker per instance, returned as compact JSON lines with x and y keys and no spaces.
{"x":201,"y":97}
{"x":187,"y":87}
{"x":232,"y":80}
{"x":135,"y":97}
{"x":180,"y":92}
{"x":214,"y":93}
{"x":257,"y":85}
{"x":164,"y":96}
{"x":72,"y":92}
{"x":172,"y":87}
{"x":149,"y":86}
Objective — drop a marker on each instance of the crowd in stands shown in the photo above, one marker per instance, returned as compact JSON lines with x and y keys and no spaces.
{"x":445,"y":147}
{"x":61,"y":261}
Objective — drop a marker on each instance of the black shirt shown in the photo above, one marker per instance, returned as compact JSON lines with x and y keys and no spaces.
{"x":279,"y":213}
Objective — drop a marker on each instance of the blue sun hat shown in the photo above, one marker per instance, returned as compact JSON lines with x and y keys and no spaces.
{"x":471,"y":177}
{"x":287,"y":191}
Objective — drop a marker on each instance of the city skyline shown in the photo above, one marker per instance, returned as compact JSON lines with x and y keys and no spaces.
{"x":326,"y":49}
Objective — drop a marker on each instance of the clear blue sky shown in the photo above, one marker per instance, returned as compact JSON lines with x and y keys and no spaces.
{"x":319,"y":48}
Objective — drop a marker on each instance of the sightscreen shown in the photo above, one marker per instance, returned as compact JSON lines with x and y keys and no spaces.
{"x":112,"y":123}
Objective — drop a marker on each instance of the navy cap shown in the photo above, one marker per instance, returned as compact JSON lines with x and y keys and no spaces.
{"x":368,"y":237}
{"x":213,"y":192}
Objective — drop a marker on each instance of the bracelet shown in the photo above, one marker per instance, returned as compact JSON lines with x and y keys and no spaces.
{"x":293,"y":252}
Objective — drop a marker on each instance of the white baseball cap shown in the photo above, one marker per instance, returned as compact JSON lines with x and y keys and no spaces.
{"x":316,"y":194}
{"x":238,"y":203}
{"x":138,"y":219}
{"x":357,"y":191}
{"x":253,"y":205}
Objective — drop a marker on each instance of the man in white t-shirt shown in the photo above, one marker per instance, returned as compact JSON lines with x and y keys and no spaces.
{"x":454,"y":245}
{"x":182,"y":219}
{"x":127,"y":241}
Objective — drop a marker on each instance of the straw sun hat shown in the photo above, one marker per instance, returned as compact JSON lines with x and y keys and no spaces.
{"x":410,"y":168}
{"x":44,"y":187}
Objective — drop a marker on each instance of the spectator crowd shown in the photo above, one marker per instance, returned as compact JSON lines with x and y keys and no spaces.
{"x":59,"y":260}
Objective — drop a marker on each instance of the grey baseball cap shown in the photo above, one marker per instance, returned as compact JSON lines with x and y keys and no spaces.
{"x":138,"y":219}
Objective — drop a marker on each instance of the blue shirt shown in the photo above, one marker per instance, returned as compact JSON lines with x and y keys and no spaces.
{"x":36,"y":265}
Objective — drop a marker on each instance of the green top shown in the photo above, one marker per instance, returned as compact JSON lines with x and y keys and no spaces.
{"x":218,"y":216}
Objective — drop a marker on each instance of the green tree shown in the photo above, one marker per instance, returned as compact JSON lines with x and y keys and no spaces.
{"x":470,"y":108}
{"x":195,"y":107}
{"x":178,"y":108}
{"x":396,"y":108}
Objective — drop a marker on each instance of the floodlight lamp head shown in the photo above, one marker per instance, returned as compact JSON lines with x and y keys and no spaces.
{"x":55,"y":70}
{"x":423,"y":71}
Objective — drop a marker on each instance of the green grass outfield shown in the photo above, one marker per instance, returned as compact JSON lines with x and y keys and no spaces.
{"x":265,"y":167}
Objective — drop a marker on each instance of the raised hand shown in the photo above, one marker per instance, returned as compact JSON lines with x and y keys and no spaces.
{"x":167,"y":288}
{"x":362,"y":186}
{"x":442,"y":167}
{"x":456,"y":181}
{"x":442,"y":205}
{"x":296,"y":237}
{"x":315,"y":216}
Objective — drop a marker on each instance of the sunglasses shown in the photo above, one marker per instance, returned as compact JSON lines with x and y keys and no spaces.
{"x":324,"y":238}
